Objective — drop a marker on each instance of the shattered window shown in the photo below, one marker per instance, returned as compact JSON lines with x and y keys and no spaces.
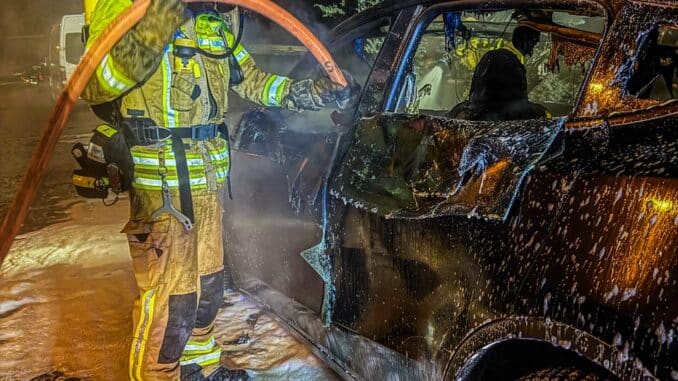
{"x":654,"y":74}
{"x":354,"y":55}
{"x":502,"y":65}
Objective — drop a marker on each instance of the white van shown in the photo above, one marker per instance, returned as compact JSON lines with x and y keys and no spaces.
{"x":65,"y":50}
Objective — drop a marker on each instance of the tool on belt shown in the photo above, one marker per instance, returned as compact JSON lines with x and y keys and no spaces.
{"x":167,"y":206}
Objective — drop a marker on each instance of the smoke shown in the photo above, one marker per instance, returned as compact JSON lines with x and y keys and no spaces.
{"x":24,"y":30}
{"x":24,"y":111}
{"x":275,"y":212}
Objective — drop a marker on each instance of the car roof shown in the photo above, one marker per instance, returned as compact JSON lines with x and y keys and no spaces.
{"x":387,"y":7}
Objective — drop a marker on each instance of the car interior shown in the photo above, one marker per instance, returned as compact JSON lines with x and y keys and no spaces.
{"x":454,"y":44}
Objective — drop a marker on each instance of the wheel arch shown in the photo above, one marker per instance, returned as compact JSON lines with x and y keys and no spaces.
{"x":546,"y":341}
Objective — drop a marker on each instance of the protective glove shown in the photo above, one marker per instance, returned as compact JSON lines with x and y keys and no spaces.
{"x":347,"y":97}
{"x":314,"y":95}
{"x":139,"y":52}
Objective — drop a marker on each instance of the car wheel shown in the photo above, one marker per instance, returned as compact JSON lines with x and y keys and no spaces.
{"x":564,"y":374}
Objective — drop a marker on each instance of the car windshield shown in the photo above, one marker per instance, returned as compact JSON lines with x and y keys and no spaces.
{"x":502,"y":65}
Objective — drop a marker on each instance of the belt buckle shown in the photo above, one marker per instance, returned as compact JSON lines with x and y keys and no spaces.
{"x":204,"y":132}
{"x":152,"y":134}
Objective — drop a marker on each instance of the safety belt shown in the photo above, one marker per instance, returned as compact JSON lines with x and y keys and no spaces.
{"x":185,"y":196}
{"x":195,"y":133}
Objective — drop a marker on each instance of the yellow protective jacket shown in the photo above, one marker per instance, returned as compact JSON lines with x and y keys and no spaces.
{"x":474,"y":49}
{"x":178,"y":92}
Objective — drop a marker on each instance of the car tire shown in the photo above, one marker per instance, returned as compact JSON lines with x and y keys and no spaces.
{"x":564,"y":374}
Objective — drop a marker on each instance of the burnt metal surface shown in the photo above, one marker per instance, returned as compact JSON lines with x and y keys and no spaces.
{"x":356,"y":357}
{"x":418,"y":167}
{"x":447,"y":242}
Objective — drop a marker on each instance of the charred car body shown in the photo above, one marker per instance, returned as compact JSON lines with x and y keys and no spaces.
{"x":405,"y":244}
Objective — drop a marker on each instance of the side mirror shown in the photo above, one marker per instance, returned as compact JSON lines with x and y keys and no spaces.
{"x":668,"y":36}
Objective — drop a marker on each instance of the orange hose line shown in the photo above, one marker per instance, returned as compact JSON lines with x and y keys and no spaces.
{"x":76,"y":85}
{"x":295,"y":27}
{"x":37,"y":167}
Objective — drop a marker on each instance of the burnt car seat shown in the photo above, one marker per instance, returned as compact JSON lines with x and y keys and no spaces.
{"x":498,"y":91}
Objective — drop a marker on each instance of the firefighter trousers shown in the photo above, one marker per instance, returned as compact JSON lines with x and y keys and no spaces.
{"x":179,"y":274}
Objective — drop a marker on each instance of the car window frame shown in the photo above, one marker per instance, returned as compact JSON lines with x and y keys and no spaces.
{"x":372,"y":98}
{"x":412,"y":40}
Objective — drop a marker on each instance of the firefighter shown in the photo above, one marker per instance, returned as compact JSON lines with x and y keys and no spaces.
{"x":169,"y":78}
{"x":499,"y":84}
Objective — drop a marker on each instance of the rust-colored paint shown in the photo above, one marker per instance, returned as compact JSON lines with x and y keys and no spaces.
{"x":36,"y":170}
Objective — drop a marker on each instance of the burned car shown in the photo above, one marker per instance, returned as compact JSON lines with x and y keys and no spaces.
{"x":405,"y":242}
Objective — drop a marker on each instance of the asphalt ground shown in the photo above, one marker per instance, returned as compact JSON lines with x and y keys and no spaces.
{"x":66,"y":296}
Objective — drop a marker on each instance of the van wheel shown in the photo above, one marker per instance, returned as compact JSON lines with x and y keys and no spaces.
{"x":564,"y":374}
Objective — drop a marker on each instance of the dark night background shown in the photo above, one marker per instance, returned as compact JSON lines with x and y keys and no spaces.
{"x":25,"y":26}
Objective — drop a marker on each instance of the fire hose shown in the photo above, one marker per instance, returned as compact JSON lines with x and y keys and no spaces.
{"x":37,"y":167}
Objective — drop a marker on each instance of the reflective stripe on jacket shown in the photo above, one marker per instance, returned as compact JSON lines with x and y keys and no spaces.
{"x":182,"y":93}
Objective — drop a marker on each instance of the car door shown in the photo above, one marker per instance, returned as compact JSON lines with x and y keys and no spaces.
{"x":444,"y":217}
{"x":280,"y":161}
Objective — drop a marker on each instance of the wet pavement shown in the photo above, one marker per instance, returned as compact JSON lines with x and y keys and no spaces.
{"x":66,"y":298}
{"x":24,"y":111}
{"x":67,"y":287}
